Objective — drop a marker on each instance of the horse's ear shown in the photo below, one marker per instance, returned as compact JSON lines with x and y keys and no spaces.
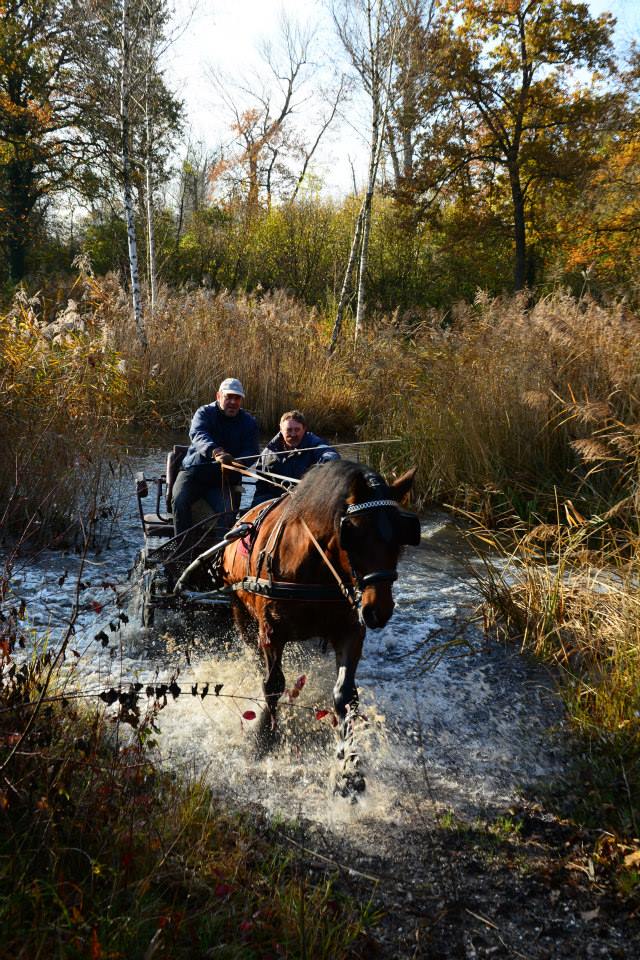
{"x":400,"y":487}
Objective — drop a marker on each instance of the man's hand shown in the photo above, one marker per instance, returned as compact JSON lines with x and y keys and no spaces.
{"x":221,"y":456}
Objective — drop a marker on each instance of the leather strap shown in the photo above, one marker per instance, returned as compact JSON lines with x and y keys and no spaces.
{"x":282,"y":590}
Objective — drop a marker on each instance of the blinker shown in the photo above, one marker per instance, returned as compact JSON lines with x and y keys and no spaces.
{"x":347,"y":534}
{"x":402,"y":526}
{"x":409,"y":528}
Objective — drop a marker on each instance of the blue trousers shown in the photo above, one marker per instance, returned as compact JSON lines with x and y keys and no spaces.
{"x":203,"y":482}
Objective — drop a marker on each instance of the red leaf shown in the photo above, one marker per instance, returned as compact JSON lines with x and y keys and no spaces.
{"x":248,"y":715}
{"x":300,"y":682}
{"x":96,"y":607}
{"x":321,"y":714}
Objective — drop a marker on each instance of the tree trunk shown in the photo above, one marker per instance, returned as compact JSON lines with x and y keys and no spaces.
{"x":126,"y":179}
{"x":520,"y":236}
{"x":366,"y":213}
{"x":151,"y":240}
{"x":19,"y":175}
{"x":362,"y":267}
{"x":355,"y":245}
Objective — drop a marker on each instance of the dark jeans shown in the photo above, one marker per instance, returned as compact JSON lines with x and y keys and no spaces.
{"x":203,"y":482}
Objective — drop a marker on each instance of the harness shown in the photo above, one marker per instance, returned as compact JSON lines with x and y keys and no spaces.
{"x":283,"y":590}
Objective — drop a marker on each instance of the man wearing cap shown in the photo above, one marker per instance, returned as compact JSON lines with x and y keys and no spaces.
{"x":220,"y":432}
{"x":290,"y":454}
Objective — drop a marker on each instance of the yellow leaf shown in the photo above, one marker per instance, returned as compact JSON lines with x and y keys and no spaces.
{"x":632,"y":858}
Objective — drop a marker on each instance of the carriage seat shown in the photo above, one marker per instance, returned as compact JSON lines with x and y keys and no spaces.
{"x":160,"y":524}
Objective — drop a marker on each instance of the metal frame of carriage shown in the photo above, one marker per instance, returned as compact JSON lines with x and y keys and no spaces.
{"x":164,"y":557}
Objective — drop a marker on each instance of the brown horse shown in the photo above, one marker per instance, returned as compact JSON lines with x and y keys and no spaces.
{"x":320,"y":562}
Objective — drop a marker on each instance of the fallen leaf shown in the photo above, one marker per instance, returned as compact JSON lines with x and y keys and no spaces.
{"x":632,"y":858}
{"x":590,"y":914}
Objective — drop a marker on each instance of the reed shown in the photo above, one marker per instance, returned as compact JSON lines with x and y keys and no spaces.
{"x":491,"y":401}
{"x":568,"y":594}
{"x":63,"y":398}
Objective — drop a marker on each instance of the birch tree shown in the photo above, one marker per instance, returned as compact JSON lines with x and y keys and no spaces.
{"x":125,"y":97}
{"x":368,"y":31}
{"x":135,"y":118}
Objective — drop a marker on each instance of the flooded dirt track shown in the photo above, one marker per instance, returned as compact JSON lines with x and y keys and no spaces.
{"x":455,"y":735}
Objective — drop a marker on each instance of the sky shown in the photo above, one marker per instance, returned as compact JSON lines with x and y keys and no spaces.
{"x":225,"y":35}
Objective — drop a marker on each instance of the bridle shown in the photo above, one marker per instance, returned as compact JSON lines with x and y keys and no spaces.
{"x":377,"y":576}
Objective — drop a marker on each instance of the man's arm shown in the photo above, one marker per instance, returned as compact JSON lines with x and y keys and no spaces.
{"x":323,"y":453}
{"x":202,"y":433}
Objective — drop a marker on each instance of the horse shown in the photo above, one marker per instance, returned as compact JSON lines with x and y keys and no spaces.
{"x":320,"y":562}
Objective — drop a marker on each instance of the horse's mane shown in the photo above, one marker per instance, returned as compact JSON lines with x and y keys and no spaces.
{"x":322,"y":492}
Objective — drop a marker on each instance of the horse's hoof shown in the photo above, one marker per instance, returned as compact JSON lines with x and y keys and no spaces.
{"x":348,"y":783}
{"x":266,"y":738}
{"x":349,"y":787}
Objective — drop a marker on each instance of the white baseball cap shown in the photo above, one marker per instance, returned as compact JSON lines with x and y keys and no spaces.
{"x":231,"y":385}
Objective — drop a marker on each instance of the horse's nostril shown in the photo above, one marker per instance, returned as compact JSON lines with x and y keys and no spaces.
{"x":370,"y":616}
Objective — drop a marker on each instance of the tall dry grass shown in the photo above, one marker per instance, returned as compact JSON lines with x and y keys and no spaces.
{"x":578,"y":609}
{"x":63,"y":397}
{"x":486,"y":418}
{"x":490,"y":402}
{"x":276,"y":345}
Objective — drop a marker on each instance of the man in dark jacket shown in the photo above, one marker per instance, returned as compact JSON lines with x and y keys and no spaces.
{"x":220,"y":432}
{"x":290,"y":454}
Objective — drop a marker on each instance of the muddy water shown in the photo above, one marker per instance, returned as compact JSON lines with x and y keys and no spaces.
{"x":450,"y":722}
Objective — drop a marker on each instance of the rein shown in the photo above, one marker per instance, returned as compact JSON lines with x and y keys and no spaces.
{"x":346,"y":592}
{"x":257,"y":475}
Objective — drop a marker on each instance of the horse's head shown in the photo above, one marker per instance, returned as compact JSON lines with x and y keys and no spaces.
{"x":373,"y":530}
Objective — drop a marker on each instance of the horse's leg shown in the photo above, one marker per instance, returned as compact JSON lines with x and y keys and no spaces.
{"x":348,"y":651}
{"x":244,"y":622}
{"x":272,"y":646}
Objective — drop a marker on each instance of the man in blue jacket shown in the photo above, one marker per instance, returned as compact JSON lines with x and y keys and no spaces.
{"x":290,"y":454}
{"x":220,"y":432}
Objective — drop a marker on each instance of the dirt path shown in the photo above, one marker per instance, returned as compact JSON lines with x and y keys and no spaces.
{"x":524,"y":886}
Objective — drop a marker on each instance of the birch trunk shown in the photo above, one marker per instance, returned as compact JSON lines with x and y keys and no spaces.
{"x":355,"y":245}
{"x":151,"y":240}
{"x":366,"y":214}
{"x":126,"y":178}
{"x":372,"y":55}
